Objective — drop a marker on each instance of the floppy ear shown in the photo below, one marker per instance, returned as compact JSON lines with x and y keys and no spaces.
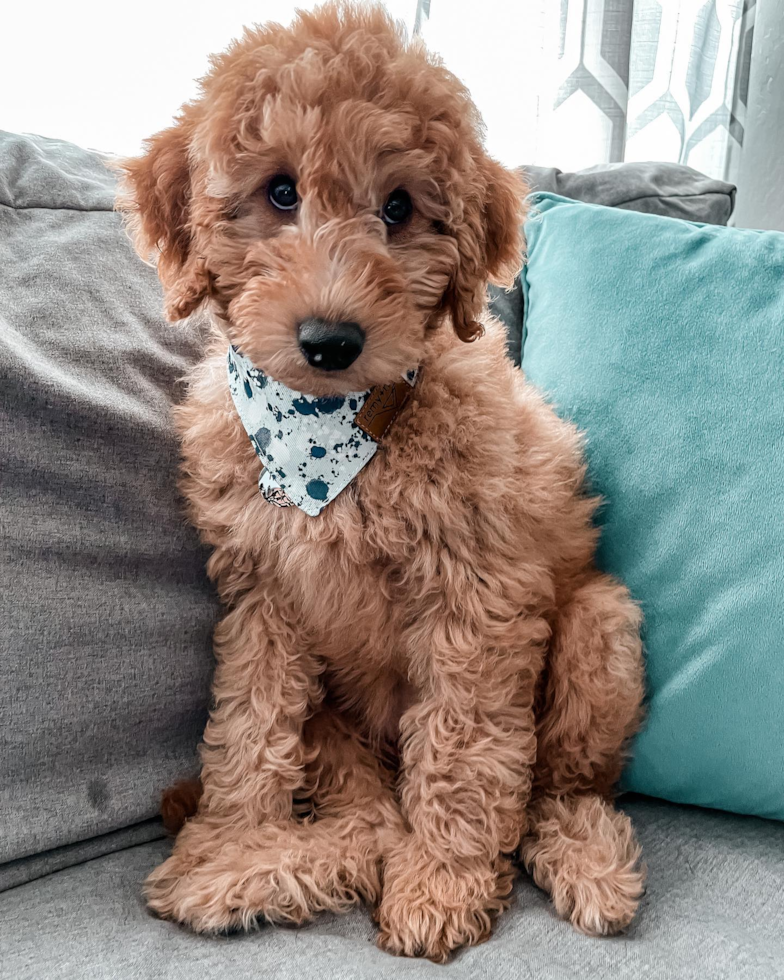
{"x":490,"y":246}
{"x":155,"y":198}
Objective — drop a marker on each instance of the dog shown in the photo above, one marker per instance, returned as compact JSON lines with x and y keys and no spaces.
{"x":423,"y":680}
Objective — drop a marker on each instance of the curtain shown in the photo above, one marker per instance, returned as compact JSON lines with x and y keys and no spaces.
{"x":565,"y":83}
{"x":572,"y":83}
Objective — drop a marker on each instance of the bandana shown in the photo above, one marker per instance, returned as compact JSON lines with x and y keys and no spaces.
{"x":311,"y":448}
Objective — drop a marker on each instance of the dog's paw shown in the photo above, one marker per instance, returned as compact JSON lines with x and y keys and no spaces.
{"x":585,"y":855}
{"x":193,"y":895}
{"x":602,"y":905}
{"x":430,"y":909}
{"x":214,"y":882}
{"x":429,"y":928}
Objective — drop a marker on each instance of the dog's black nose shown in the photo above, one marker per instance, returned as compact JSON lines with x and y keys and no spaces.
{"x":330,"y":346}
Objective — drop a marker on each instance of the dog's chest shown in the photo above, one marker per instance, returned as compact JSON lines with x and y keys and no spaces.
{"x":357,"y":619}
{"x":361,"y":576}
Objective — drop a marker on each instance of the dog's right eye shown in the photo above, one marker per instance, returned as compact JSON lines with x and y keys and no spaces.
{"x":282,"y":192}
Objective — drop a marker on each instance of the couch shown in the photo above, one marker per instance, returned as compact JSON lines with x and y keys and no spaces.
{"x":105,"y":640}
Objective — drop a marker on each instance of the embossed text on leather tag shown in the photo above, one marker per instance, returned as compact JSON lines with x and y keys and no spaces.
{"x":382,"y":407}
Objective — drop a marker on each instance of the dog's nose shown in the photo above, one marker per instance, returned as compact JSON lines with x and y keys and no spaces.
{"x":330,"y":346}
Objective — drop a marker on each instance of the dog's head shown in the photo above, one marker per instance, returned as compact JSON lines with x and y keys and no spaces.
{"x":330,"y":197}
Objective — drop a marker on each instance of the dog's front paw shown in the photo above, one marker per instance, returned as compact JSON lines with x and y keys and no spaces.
{"x":430,"y":909}
{"x":202,"y":884}
{"x":220,"y":879}
{"x":186,"y":891}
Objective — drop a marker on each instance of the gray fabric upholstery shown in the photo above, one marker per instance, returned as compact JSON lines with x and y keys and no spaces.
{"x":669,"y":189}
{"x":714,"y":910}
{"x":19,"y":872}
{"x":106,"y":612}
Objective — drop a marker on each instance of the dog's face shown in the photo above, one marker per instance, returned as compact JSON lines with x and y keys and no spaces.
{"x":329,"y":196}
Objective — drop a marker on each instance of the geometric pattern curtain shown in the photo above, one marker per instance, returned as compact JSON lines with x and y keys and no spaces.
{"x":688,"y":82}
{"x":615,"y":79}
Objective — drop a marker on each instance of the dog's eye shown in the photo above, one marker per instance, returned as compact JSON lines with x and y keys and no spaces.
{"x":282,"y":192}
{"x":397,"y":208}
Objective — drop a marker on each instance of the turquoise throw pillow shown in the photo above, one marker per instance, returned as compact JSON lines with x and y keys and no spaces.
{"x":664,"y":341}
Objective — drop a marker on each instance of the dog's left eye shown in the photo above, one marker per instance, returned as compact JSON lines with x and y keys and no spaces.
{"x":397,"y":207}
{"x":282,"y":192}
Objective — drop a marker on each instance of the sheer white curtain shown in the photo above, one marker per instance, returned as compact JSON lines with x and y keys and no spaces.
{"x":572,"y":83}
{"x":566,"y":83}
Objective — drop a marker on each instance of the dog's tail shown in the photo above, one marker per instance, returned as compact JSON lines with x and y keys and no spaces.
{"x":180,"y":802}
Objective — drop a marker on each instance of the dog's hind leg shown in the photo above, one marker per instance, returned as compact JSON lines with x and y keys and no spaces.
{"x":578,"y":847}
{"x":289,"y":871}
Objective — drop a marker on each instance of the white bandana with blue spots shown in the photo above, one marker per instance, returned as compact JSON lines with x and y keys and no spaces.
{"x":310,"y":447}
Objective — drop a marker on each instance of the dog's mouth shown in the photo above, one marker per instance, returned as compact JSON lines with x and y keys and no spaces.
{"x":338,"y":372}
{"x":326,"y":360}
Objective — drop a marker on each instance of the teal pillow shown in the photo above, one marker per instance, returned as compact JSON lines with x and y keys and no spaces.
{"x":664,"y":341}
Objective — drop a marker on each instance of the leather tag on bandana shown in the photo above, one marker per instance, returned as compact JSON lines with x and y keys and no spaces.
{"x":382,"y":407}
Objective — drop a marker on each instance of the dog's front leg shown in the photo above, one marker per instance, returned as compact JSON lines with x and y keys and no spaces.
{"x":253,"y":756}
{"x":266,"y":684}
{"x":468,"y":750}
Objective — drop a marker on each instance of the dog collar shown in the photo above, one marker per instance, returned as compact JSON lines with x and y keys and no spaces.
{"x":311,"y":448}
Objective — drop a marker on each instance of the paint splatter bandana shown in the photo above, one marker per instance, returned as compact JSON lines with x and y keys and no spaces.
{"x":311,"y":448}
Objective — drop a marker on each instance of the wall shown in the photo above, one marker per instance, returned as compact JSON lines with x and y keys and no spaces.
{"x":760,"y":202}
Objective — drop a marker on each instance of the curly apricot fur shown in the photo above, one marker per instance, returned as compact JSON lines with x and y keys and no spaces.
{"x":432,"y":673}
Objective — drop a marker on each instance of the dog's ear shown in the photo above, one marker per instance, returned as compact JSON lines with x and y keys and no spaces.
{"x":155,"y":197}
{"x":490,"y":245}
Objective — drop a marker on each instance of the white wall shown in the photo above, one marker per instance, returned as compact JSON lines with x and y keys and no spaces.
{"x":760,"y":202}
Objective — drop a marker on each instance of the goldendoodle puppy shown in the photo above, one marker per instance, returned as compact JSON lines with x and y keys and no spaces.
{"x":420,"y":673}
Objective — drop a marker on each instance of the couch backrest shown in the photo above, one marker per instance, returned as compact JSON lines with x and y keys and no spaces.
{"x":106,"y":613}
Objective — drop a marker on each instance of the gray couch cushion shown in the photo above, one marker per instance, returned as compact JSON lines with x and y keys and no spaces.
{"x":714,"y":910}
{"x":106,"y":612}
{"x":669,"y":189}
